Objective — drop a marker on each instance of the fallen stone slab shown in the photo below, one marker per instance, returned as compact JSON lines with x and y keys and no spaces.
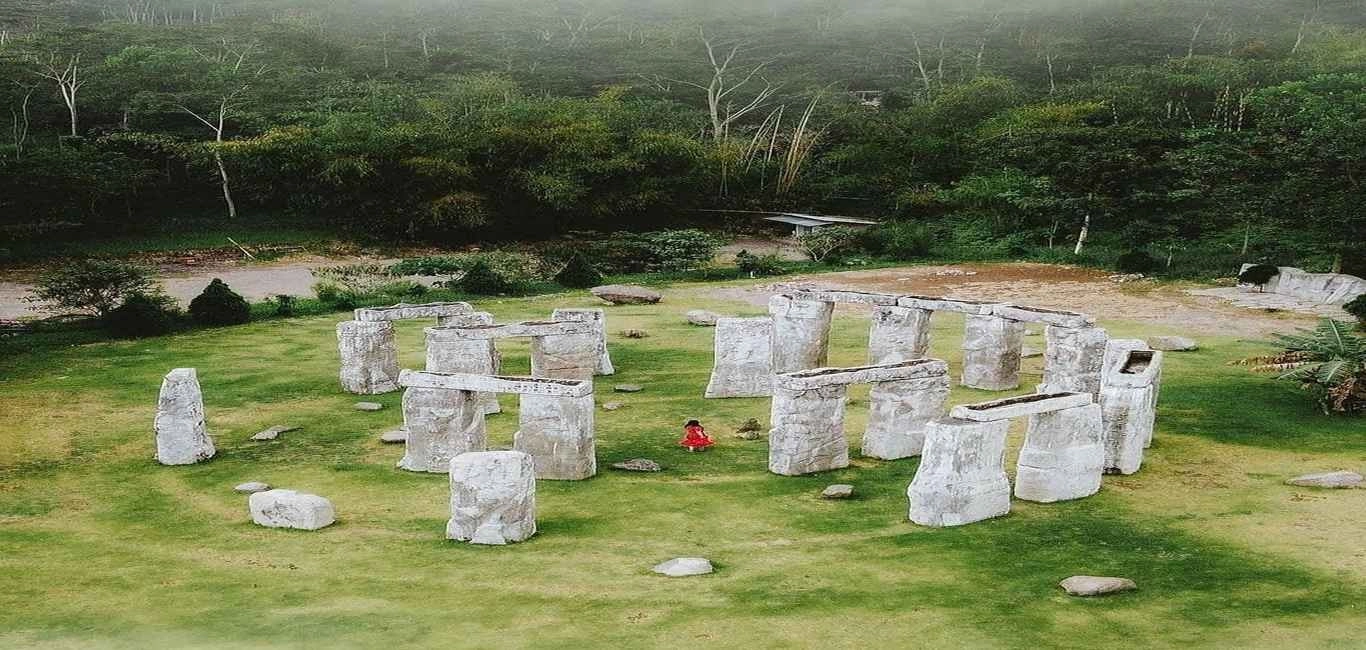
{"x":1335,"y":480}
{"x":748,"y":435}
{"x":838,"y":491}
{"x":637,"y":465}
{"x":749,"y":425}
{"x":1014,"y":407}
{"x":1096,"y":585}
{"x":702,"y":317}
{"x":273,"y":432}
{"x":394,"y":437}
{"x":290,"y":509}
{"x":251,"y":487}
{"x":627,"y":388}
{"x":369,"y":406}
{"x":612,"y":406}
{"x":681,"y":567}
{"x":626,"y":294}
{"x":1173,"y":343}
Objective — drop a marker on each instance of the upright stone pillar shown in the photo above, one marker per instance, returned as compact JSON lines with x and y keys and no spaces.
{"x":599,"y":318}
{"x":991,"y":352}
{"x":369,"y":357}
{"x":493,"y":497}
{"x":557,"y":432}
{"x":1073,"y":359}
{"x":181,"y":435}
{"x":446,"y":353}
{"x":801,"y":333}
{"x":565,"y":356}
{"x":441,"y":424}
{"x":898,"y":334}
{"x":808,"y":430}
{"x":1116,"y":353}
{"x":899,"y":412}
{"x":962,"y":476}
{"x":1128,"y":401}
{"x":1062,"y":455}
{"x":743,"y":359}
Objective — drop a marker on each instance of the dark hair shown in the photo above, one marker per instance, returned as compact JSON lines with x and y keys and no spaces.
{"x":691,"y":423}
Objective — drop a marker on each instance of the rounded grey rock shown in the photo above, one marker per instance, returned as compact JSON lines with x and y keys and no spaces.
{"x":1096,"y":585}
{"x":838,"y":491}
{"x":680,"y":567}
{"x":251,"y":487}
{"x":638,"y":465}
{"x":702,"y":318}
{"x":396,"y":436}
{"x":628,"y":388}
{"x":368,"y":406}
{"x":1328,"y":480}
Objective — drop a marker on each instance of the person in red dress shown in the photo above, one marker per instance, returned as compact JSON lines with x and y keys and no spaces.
{"x":694,"y":436}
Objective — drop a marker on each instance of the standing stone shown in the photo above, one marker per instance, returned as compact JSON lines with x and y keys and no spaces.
{"x":808,"y":430}
{"x":962,"y":476}
{"x":898,"y":334}
{"x":181,"y":435}
{"x":1073,"y":359}
{"x":369,"y":357}
{"x":991,"y":352}
{"x":290,"y":509}
{"x":441,"y":424}
{"x":1062,"y":456}
{"x":743,"y":365}
{"x":801,"y":333}
{"x":1128,"y":400}
{"x":899,"y":412}
{"x":566,"y":356}
{"x":557,"y":432}
{"x":1116,"y":352}
{"x":447,"y":353}
{"x":493,"y":497}
{"x":599,"y":318}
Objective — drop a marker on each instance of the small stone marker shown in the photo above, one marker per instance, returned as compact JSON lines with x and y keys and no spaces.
{"x":290,"y":509}
{"x":1328,"y":480}
{"x":702,"y":318}
{"x":628,"y":388}
{"x":1096,"y":585}
{"x":1173,"y":343}
{"x":368,"y":406}
{"x":626,"y":294}
{"x":612,"y":406}
{"x":273,"y":432}
{"x":251,"y":487}
{"x":635,"y":334}
{"x":680,"y":567}
{"x":181,"y":436}
{"x":838,"y":491}
{"x":638,"y":465}
{"x":394,"y":437}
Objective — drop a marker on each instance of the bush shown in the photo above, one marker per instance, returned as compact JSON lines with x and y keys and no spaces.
{"x":1258,"y":274}
{"x":824,"y":242}
{"x":403,"y":289}
{"x":219,"y":305}
{"x":758,"y":265}
{"x":898,"y":240}
{"x":578,"y":273}
{"x":91,"y":286}
{"x":481,"y":280}
{"x":1328,"y":361}
{"x":285,"y":305}
{"x":1357,"y":308}
{"x":141,"y":315}
{"x":1135,"y":261}
{"x":665,"y":250}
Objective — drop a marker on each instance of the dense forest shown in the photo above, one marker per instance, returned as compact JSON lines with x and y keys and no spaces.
{"x":1225,"y":130}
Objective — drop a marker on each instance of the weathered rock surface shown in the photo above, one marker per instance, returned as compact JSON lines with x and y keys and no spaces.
{"x":637,"y":465}
{"x":1096,"y":585}
{"x":1062,"y":457}
{"x":898,"y":334}
{"x":680,"y":567}
{"x":558,"y":434}
{"x":1128,"y":402}
{"x":1028,"y":352}
{"x":405,"y":311}
{"x":991,"y":352}
{"x":627,"y":388}
{"x":369,"y":357}
{"x":369,"y":406}
{"x":626,"y":294}
{"x":441,"y":425}
{"x":900,"y":412}
{"x":599,"y":319}
{"x":808,"y":430}
{"x":1173,"y":343}
{"x":743,"y":358}
{"x":1019,"y":406}
{"x":493,"y":497}
{"x":1073,"y":361}
{"x":1328,"y":480}
{"x":182,"y":438}
{"x":801,"y":333}
{"x":251,"y":487}
{"x":702,"y":317}
{"x":273,"y":432}
{"x":962,"y":477}
{"x":290,"y":509}
{"x":394,"y":437}
{"x":612,"y":406}
{"x":837,"y":491}
{"x":451,"y":354}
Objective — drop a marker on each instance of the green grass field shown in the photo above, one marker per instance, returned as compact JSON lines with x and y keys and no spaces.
{"x":101,"y":547}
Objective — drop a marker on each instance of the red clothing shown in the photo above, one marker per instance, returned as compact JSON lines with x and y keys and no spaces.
{"x":695,"y":437}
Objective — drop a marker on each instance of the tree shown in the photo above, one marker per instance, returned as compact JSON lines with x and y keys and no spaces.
{"x":65,"y":71}
{"x":91,"y":285}
{"x":722,"y":86}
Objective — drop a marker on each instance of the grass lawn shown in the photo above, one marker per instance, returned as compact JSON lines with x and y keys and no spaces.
{"x":101,"y":547}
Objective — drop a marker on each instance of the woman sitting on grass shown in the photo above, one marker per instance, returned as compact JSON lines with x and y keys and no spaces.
{"x":695,"y":437}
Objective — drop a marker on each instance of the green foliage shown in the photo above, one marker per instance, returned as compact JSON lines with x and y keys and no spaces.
{"x":898,"y":240}
{"x":90,"y":285}
{"x":1258,"y":274}
{"x":822,"y":243}
{"x":667,"y":250}
{"x":1135,"y":261}
{"x":285,"y":305}
{"x":754,"y":266}
{"x":219,"y":305}
{"x":1328,"y":361}
{"x":142,"y":315}
{"x":1357,"y":308}
{"x":481,"y":280}
{"x":578,"y":273}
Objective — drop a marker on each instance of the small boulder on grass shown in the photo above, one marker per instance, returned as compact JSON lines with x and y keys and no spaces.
{"x":838,"y":491}
{"x":1331,"y":480}
{"x":1096,"y":585}
{"x":369,"y":406}
{"x":635,"y":334}
{"x":626,"y":294}
{"x":681,"y":567}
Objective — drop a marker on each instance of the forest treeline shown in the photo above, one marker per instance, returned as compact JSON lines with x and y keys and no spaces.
{"x":1218,"y":129}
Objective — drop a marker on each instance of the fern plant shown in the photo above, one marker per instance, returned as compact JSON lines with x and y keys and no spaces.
{"x":1329,"y":361}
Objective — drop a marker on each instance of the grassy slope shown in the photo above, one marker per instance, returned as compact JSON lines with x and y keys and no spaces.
{"x":101,"y":547}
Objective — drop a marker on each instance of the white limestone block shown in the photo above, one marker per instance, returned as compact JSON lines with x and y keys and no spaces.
{"x":1062,"y":456}
{"x":557,"y":432}
{"x":441,"y":424}
{"x":1323,"y":288}
{"x":369,"y":357}
{"x":1019,"y":406}
{"x":962,"y":477}
{"x":846,"y":297}
{"x":456,"y":355}
{"x":290,"y":509}
{"x":599,"y":318}
{"x":1073,"y":359}
{"x":991,"y":352}
{"x":525,"y":329}
{"x":405,"y":311}
{"x":743,"y":358}
{"x":900,"y":412}
{"x":1053,"y":317}
{"x":181,"y":435}
{"x":493,"y":497}
{"x":801,"y":333}
{"x":567,"y":356}
{"x":820,"y":377}
{"x":972,"y":307}
{"x":898,"y":334}
{"x":1128,"y":402}
{"x":496,"y":384}
{"x":1117,"y":353}
{"x":808,"y":430}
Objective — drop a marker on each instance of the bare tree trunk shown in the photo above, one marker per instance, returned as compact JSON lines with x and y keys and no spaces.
{"x":1081,"y":236}
{"x":1052,"y":83}
{"x":227,"y":191}
{"x":1247,"y":236}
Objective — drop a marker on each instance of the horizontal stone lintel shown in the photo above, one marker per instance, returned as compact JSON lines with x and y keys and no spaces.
{"x":1019,"y":406}
{"x":947,"y":304}
{"x":846,"y":297}
{"x":496,"y":384}
{"x":821,"y":377}
{"x":1045,"y":316}
{"x":404,"y":311}
{"x":510,"y":330}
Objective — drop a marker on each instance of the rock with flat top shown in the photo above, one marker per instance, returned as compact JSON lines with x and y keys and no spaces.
{"x":251,"y":487}
{"x":1328,"y":480}
{"x":628,"y":388}
{"x":635,"y":334}
{"x":702,"y":318}
{"x":290,"y":509}
{"x":273,"y":432}
{"x":1096,"y":585}
{"x":493,"y":497}
{"x":626,"y":294}
{"x":369,"y":406}
{"x":394,"y":437}
{"x":637,"y":465}
{"x":838,"y":491}
{"x":1173,"y":343}
{"x":612,"y":406}
{"x":680,"y":567}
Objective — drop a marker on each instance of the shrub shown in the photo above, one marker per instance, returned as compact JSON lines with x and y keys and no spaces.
{"x":1357,"y":308}
{"x":824,"y":242}
{"x":403,"y":289}
{"x":758,"y":265}
{"x":285,"y":305}
{"x":91,"y":286}
{"x":665,"y":250}
{"x":141,"y":315}
{"x":481,"y":280}
{"x":898,"y":240}
{"x":1328,"y":361}
{"x":1258,"y":274}
{"x":1135,"y":261}
{"x":219,"y":305}
{"x":578,"y":273}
